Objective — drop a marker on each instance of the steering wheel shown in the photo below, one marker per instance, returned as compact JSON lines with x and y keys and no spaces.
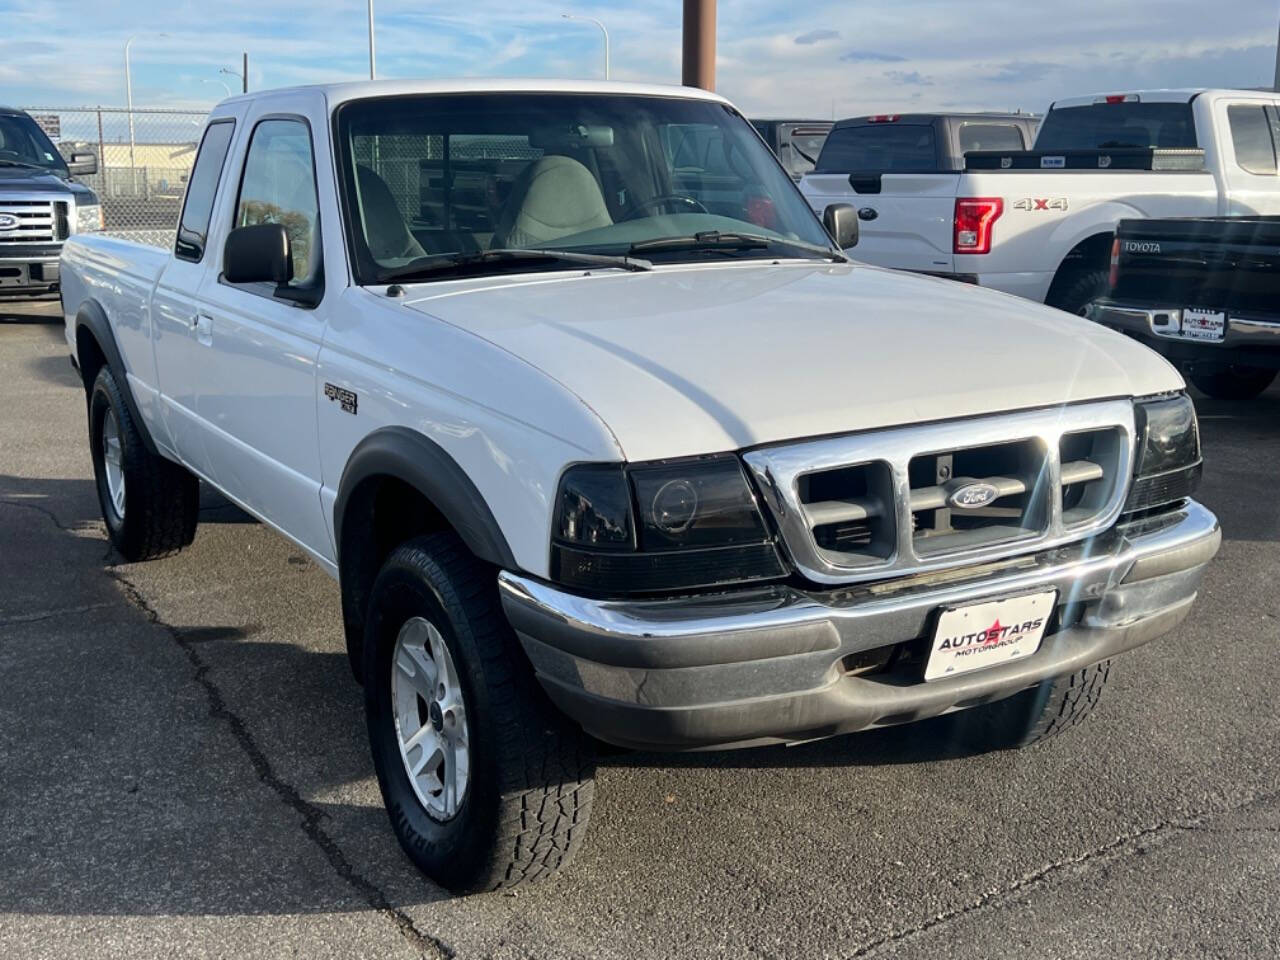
{"x":666,"y":198}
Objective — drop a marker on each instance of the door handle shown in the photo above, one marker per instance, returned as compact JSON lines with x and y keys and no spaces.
{"x":203,"y":326}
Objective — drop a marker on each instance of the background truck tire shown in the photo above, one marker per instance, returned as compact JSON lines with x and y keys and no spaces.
{"x":528,"y":797}
{"x":1032,"y":715}
{"x":1077,"y":290}
{"x":1234,"y":383}
{"x":161,"y":498}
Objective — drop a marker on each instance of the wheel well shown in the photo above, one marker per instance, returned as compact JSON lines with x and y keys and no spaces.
{"x":381,"y":513}
{"x":1092,"y":253}
{"x":89,"y":355}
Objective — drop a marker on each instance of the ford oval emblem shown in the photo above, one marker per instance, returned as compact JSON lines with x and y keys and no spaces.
{"x":974,"y":495}
{"x":8,"y":221}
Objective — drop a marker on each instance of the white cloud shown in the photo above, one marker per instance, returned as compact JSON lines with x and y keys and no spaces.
{"x":775,"y":57}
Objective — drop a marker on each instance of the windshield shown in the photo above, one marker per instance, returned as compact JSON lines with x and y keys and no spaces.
{"x":440,"y":176}
{"x":1102,"y":126}
{"x":888,"y":147}
{"x":23,"y":143}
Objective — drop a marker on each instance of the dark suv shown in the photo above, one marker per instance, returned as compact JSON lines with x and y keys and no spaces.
{"x":40,"y":205}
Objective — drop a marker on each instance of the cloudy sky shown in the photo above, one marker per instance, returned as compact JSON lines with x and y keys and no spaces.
{"x":775,"y":56}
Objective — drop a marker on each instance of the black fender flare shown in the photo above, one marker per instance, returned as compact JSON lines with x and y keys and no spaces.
{"x":409,"y":456}
{"x":93,"y":318}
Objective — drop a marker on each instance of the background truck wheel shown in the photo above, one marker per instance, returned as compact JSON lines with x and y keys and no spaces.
{"x":1233,"y":383}
{"x":1078,"y":290}
{"x":1032,"y":715}
{"x":151,"y":505}
{"x":486,"y":783}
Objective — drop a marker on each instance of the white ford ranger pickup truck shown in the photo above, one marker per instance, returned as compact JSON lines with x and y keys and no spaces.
{"x":602,"y":446}
{"x":1039,"y":224}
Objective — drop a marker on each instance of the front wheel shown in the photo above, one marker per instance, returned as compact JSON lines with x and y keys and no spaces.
{"x":1036,"y":714}
{"x":486,"y":784}
{"x":1234,"y":382}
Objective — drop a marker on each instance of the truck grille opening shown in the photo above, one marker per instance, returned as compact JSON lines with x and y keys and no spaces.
{"x":1087,"y":485}
{"x":926,"y":498}
{"x":1014,"y":474}
{"x":850,"y":511}
{"x":36,"y":221}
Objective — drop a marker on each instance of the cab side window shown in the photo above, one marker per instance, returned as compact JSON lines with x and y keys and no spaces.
{"x":1251,"y":137}
{"x":279,"y":186}
{"x":193,"y":228}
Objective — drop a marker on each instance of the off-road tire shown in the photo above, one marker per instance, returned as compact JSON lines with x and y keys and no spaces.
{"x":162,"y":498}
{"x":1233,"y":383}
{"x":1033,"y":715}
{"x":528,"y":801}
{"x":1078,"y":290}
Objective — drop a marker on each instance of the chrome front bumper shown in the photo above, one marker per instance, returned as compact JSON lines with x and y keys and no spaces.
{"x":769,"y":665}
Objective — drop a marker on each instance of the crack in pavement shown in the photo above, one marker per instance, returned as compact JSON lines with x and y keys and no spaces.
{"x":426,"y":945}
{"x":50,"y":614}
{"x":1125,"y":845}
{"x":27,"y":504}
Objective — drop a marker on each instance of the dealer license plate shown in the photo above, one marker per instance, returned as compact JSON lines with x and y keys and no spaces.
{"x":1203,"y":324}
{"x":987,"y":634}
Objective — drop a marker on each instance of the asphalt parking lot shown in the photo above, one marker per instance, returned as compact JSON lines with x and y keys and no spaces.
{"x":184,"y":772}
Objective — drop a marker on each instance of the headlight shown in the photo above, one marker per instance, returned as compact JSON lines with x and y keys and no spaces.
{"x":646,"y":528}
{"x":89,"y":218}
{"x":1168,"y":465}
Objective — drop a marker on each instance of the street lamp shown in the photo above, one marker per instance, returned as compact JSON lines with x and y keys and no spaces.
{"x":128,"y":88}
{"x":574,"y":16}
{"x":219,"y":83}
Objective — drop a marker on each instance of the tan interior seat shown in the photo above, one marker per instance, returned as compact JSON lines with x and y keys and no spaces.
{"x":385,"y":231}
{"x":554,"y":196}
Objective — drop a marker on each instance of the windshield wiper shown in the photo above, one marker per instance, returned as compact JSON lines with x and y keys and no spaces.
{"x":485,"y":260}
{"x":5,"y":161}
{"x":716,"y":240}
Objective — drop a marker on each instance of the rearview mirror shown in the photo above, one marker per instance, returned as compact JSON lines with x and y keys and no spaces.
{"x":82,"y":164}
{"x":841,"y":221}
{"x":258,"y":254}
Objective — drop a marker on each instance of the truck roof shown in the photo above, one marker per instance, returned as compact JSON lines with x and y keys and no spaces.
{"x":336,"y":93}
{"x":934,"y":115}
{"x":1165,"y":95}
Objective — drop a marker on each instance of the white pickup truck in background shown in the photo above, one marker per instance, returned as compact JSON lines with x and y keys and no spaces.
{"x":1040,"y":225}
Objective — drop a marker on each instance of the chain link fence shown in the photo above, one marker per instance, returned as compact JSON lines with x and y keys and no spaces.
{"x":144,"y":160}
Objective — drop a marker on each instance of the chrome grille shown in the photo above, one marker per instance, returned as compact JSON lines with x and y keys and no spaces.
{"x":36,"y":220}
{"x":863,"y":506}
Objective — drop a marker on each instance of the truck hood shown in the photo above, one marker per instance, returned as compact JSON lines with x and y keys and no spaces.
{"x":697,"y":359}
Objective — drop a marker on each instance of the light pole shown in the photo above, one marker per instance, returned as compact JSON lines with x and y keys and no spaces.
{"x":243,"y":78}
{"x":574,"y":16}
{"x":373,"y":58}
{"x":219,"y":83}
{"x":128,"y":91}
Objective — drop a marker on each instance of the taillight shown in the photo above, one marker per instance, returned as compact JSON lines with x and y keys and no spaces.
{"x":1118,"y":98}
{"x":885,"y":118}
{"x":973,"y":222}
{"x":1114,"y":276}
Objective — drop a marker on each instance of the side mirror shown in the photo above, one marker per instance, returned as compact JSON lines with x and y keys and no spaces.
{"x":258,"y":254}
{"x":841,"y":221}
{"x":82,"y":164}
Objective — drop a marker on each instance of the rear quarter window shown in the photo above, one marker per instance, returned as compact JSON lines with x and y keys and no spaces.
{"x":1251,"y":138}
{"x":885,"y":147}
